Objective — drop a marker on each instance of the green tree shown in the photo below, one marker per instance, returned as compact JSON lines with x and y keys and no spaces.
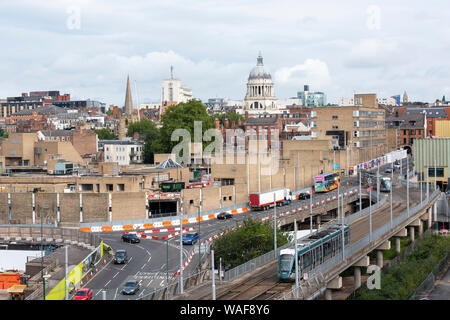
{"x":182,"y":116}
{"x":252,"y":240}
{"x":145,"y":128}
{"x":109,"y":112}
{"x":149,"y":133}
{"x":104,"y":134}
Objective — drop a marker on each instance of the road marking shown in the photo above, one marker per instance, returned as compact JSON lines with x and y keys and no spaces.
{"x":107,"y":283}
{"x":115,"y":295}
{"x":143,"y":266}
{"x":115,"y":274}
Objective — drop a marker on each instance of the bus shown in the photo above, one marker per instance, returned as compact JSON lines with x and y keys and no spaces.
{"x":326,"y":182}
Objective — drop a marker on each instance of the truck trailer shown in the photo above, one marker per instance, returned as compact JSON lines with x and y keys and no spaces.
{"x":265,"y":200}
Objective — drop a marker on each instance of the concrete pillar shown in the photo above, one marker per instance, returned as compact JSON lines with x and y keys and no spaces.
{"x":380,"y":258}
{"x":420,"y":228}
{"x":357,"y":277}
{"x":318,"y":221}
{"x":411,"y":233}
{"x":328,"y":295}
{"x":430,"y":219}
{"x":397,"y":245}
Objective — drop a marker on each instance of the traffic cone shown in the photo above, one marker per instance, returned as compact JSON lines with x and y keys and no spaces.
{"x":104,"y":261}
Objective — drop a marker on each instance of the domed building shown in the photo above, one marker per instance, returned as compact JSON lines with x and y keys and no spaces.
{"x":260,"y":95}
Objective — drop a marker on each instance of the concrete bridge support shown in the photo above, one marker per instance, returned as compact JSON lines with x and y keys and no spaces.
{"x":397,"y":245}
{"x":363,"y":262}
{"x":336,"y":283}
{"x":398,"y":235}
{"x":415,"y":223}
{"x":385,"y":246}
{"x":411,"y":233}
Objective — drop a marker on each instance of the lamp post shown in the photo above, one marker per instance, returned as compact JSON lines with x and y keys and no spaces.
{"x":167,"y":262}
{"x":43,"y":209}
{"x":199,"y":242}
{"x":274,"y":224}
{"x":296,"y":258}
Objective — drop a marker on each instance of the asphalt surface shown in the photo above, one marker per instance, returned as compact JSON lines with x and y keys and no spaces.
{"x":150,"y":264}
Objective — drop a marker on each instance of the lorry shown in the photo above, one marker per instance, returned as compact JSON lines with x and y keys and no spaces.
{"x":265,"y":200}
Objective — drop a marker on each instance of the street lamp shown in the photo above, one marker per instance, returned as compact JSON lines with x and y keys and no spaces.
{"x":42,"y":211}
{"x":199,"y":206}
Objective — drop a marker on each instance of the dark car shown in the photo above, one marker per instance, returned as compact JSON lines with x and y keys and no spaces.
{"x":389,"y":170}
{"x":190,"y":238}
{"x":130,"y":237}
{"x":120,"y":257}
{"x":304,"y":196}
{"x":224,"y":215}
{"x":130,"y":287}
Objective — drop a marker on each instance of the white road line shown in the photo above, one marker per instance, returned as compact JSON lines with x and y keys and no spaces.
{"x":162,"y":267}
{"x":115,"y":295}
{"x":115,"y":274}
{"x":143,"y":266}
{"x":107,"y":283}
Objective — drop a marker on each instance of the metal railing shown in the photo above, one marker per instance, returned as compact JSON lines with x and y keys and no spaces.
{"x":357,"y":247}
{"x":428,"y":284}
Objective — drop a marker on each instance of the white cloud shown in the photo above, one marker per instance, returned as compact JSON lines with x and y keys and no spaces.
{"x":312,"y":71}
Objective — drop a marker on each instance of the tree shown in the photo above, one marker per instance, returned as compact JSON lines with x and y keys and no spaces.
{"x":109,"y":112}
{"x":104,"y":134}
{"x":144,"y":127}
{"x":150,"y":134}
{"x":182,"y":116}
{"x":252,"y":240}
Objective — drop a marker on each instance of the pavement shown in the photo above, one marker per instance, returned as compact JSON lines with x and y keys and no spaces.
{"x":441,"y":290}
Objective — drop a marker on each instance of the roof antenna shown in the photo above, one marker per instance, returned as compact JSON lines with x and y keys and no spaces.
{"x":171,"y":72}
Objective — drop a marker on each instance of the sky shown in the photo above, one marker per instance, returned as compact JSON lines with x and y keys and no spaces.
{"x":87,"y":48}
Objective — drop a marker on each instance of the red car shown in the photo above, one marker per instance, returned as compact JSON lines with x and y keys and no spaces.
{"x":83,"y":294}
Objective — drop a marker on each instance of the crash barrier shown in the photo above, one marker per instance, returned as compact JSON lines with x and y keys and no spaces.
{"x":78,"y":277}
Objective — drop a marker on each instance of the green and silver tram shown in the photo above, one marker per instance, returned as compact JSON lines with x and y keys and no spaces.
{"x":312,"y":251}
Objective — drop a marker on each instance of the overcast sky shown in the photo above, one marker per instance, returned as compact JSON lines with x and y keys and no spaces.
{"x":87,"y":48}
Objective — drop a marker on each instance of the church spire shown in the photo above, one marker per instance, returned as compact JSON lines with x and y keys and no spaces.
{"x":128,"y":100}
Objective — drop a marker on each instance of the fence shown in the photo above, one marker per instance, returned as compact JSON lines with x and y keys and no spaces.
{"x":428,"y":284}
{"x":352,"y":250}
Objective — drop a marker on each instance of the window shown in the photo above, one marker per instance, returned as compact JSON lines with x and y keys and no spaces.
{"x":335,"y":127}
{"x":439,"y":172}
{"x":120,"y":187}
{"x":109,"y":187}
{"x":191,"y":201}
{"x":334,"y":117}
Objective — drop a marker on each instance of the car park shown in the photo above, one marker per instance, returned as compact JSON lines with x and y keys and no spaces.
{"x":120,"y":257}
{"x":190,"y":238}
{"x":224,"y":216}
{"x":130,"y":237}
{"x":83,"y":294}
{"x":130,"y":287}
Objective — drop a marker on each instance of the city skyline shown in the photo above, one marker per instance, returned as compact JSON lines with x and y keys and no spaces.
{"x":73,"y":46}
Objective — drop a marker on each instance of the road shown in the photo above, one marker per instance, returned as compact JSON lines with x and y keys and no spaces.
{"x":152,"y":260}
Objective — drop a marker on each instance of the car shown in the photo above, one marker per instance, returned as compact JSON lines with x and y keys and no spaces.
{"x":190,"y":238}
{"x":389,"y":170}
{"x":304,"y":196}
{"x":130,"y":287}
{"x":83,"y":294}
{"x":224,"y":215}
{"x":130,"y":237}
{"x":120,"y":257}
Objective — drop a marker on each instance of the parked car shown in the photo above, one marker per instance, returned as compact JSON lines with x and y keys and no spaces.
{"x":389,"y":170}
{"x":83,"y":294}
{"x":224,"y":215}
{"x":130,"y":287}
{"x":190,"y":238}
{"x":120,"y":257}
{"x":304,"y":196}
{"x":130,"y":237}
